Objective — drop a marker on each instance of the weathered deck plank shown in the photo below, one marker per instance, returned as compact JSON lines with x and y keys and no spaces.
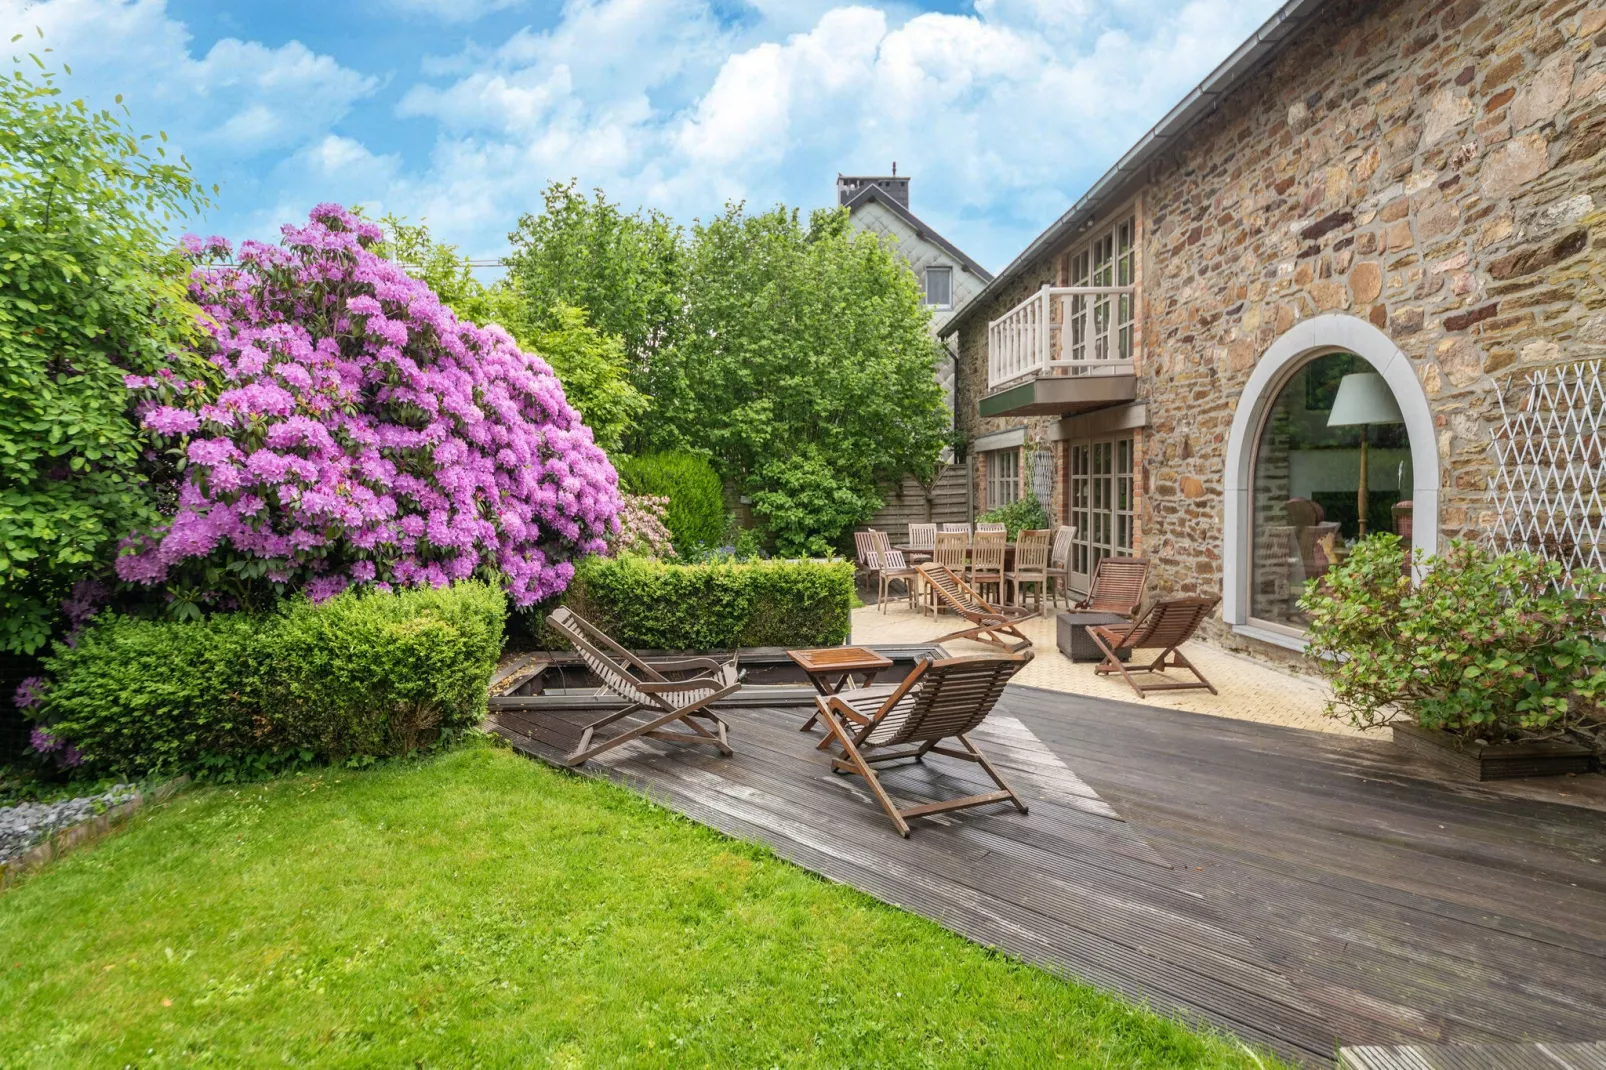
{"x":1300,"y":890}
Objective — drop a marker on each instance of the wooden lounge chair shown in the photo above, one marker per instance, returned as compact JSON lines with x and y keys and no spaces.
{"x":939,"y":700}
{"x":1167,"y":625}
{"x":995,"y":627}
{"x":687,"y":700}
{"x":1117,"y":586}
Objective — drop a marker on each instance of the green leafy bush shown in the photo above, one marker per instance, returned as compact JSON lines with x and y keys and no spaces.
{"x":1025,"y":514}
{"x":653,"y":605}
{"x":361,"y":675}
{"x":695,"y":515}
{"x":1491,"y":647}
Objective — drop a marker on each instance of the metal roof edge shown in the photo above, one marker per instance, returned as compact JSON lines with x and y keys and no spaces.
{"x":1272,"y":34}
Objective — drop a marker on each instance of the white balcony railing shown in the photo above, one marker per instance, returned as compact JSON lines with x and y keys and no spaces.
{"x":1063,"y":330}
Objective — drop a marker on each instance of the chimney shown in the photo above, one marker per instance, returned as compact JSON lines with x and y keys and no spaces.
{"x":894,"y":187}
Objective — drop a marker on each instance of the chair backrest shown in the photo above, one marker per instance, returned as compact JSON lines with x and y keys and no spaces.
{"x":950,"y":549}
{"x":1169,"y":622}
{"x":887,"y":561}
{"x":1118,"y":585}
{"x":923,"y":536}
{"x":1031,"y":550}
{"x":958,"y":527}
{"x":990,"y":526}
{"x":882,"y":543}
{"x":864,"y":544}
{"x":605,"y":658}
{"x":950,"y":696}
{"x":987,"y":552}
{"x":959,"y":595}
{"x":1060,"y":556}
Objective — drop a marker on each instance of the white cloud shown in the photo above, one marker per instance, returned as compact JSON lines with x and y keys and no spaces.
{"x":452,"y":10}
{"x":1002,"y":115}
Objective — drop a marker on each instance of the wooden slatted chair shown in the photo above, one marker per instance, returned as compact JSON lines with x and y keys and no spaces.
{"x":990,"y":526}
{"x":952,"y":551}
{"x":958,"y":527}
{"x":939,"y":700}
{"x":1059,"y":565}
{"x":1167,"y":625}
{"x":890,"y":567}
{"x":996,"y":627}
{"x":922,"y":542}
{"x":1031,"y":566}
{"x":1117,"y":586}
{"x":644,"y":686}
{"x":987,"y":561}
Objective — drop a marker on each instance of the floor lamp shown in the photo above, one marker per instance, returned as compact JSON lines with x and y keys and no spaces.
{"x":1364,"y":398}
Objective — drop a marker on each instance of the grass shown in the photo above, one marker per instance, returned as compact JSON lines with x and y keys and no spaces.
{"x":478,"y":909}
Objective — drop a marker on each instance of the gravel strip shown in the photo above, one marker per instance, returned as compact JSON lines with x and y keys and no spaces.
{"x":26,"y":824}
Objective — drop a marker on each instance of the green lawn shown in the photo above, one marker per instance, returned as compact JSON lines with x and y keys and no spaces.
{"x":478,"y":909}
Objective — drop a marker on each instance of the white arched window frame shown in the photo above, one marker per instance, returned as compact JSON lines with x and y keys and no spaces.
{"x":1315,"y":337}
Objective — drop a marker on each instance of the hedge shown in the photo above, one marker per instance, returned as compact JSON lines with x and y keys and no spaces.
{"x":647,"y":604}
{"x":695,"y":516}
{"x":361,"y":675}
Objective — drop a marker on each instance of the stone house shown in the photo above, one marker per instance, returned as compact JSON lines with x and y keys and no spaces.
{"x":948,"y":278}
{"x":1402,"y":192}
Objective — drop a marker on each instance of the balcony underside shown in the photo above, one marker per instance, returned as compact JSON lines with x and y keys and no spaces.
{"x":1061,"y":395}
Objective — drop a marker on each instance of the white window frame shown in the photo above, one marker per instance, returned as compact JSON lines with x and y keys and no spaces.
{"x":1101,"y":328}
{"x":997,"y":482}
{"x":925,"y":286}
{"x":1100,"y":502}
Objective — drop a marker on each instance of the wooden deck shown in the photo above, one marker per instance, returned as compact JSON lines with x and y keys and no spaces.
{"x":1303,"y":890}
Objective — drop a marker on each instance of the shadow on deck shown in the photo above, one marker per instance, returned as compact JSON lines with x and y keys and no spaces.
{"x":1302,"y":890}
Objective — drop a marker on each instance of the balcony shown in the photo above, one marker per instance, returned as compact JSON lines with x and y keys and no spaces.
{"x":1063,"y":350}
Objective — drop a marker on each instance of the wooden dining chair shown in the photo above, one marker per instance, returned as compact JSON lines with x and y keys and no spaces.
{"x":1031,"y":565}
{"x":951,"y":550}
{"x":987,"y":562}
{"x":1059,"y":566}
{"x":922,"y":541}
{"x":958,"y":527}
{"x":890,"y":567}
{"x":990,"y":526}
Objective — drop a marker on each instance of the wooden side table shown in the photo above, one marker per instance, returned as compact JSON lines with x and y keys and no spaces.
{"x":839,"y":662}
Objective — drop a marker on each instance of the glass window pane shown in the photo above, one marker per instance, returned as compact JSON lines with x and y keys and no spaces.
{"x":939,"y":286}
{"x":1305,"y":509}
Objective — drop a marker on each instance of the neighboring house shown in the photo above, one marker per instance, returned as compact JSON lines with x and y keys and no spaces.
{"x":948,"y":278}
{"x":1415,"y":189}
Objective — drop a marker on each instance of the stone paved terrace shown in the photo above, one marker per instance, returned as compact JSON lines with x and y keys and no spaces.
{"x":1250,"y":690}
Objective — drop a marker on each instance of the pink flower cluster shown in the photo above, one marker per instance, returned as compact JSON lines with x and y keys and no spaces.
{"x":363,"y":435}
{"x":641,"y":527}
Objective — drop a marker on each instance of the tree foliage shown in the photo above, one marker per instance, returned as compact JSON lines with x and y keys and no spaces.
{"x":86,"y":296}
{"x":695,"y":515}
{"x":805,"y":369}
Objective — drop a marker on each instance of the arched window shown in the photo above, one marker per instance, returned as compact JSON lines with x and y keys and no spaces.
{"x":1306,"y":500}
{"x":1292,"y":481}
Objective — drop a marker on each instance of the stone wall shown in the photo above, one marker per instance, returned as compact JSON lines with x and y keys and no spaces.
{"x":1436,"y":169}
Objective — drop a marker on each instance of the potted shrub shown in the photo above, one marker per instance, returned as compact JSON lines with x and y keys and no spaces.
{"x":1493,"y":664}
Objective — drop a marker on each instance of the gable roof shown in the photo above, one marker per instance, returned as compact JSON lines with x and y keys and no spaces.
{"x":872,"y":193}
{"x":1247,"y":58}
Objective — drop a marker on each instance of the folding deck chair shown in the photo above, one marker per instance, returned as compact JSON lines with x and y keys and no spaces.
{"x":1167,"y":625}
{"x":939,"y":700}
{"x":1117,"y":586}
{"x":989,"y":625}
{"x":686,"y":700}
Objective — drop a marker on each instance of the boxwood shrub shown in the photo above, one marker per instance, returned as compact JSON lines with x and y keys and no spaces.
{"x":652,"y":605}
{"x":362,"y":675}
{"x":695,"y":516}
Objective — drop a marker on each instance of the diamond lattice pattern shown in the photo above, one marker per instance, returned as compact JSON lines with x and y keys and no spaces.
{"x":1546,"y":493}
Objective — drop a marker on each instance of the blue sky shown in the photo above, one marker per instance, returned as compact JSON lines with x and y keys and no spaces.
{"x":460,"y":111}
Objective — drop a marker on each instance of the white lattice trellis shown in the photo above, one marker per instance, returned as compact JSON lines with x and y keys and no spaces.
{"x":1546,"y":493}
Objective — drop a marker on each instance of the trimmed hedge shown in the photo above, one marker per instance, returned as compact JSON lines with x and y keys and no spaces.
{"x":647,"y":604}
{"x":365,"y":674}
{"x":696,"y":516}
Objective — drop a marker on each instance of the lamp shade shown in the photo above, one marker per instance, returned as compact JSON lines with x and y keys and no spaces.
{"x":1364,"y":398}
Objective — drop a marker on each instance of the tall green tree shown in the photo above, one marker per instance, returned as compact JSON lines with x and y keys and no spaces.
{"x":805,"y":368}
{"x":87,"y":296}
{"x":590,"y":363}
{"x":623,"y":268}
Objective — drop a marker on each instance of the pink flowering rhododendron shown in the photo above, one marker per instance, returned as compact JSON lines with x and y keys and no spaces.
{"x":360,"y":434}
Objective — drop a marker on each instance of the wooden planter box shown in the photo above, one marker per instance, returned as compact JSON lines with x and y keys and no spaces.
{"x":1478,"y":761}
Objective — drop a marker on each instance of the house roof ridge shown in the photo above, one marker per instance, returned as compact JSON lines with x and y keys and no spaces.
{"x":869,"y":193}
{"x":1272,"y":35}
